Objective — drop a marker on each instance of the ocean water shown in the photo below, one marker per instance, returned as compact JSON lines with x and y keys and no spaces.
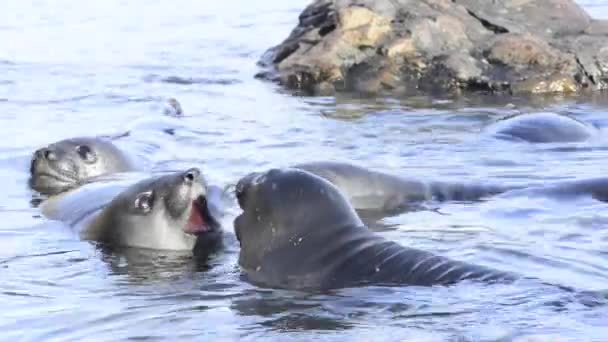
{"x":93,"y":68}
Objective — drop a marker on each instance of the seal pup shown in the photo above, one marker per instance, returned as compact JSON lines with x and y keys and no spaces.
{"x":298,"y":231}
{"x":166,"y":212}
{"x":542,"y":127}
{"x":68,"y":163}
{"x":375,"y":191}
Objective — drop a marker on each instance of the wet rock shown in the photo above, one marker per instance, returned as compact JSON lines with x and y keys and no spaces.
{"x":172,"y":108}
{"x":371,"y":46}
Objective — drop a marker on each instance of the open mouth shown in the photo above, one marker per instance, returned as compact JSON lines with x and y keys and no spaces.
{"x":200,"y":221}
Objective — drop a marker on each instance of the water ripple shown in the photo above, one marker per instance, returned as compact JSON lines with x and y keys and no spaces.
{"x":58,"y":82}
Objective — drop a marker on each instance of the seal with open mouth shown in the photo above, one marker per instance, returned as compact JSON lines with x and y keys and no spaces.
{"x":168,"y":212}
{"x":298,"y":231}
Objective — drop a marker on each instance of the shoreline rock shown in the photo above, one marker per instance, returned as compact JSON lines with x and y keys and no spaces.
{"x":441,"y":46}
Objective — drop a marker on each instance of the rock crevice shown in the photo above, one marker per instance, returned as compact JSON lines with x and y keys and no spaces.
{"x":488,"y":25}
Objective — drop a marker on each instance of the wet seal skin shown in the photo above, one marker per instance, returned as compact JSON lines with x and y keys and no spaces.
{"x":541,"y":128}
{"x":595,"y":188}
{"x":298,"y":231}
{"x":378,"y":192}
{"x":167,"y":212}
{"x":68,"y":163}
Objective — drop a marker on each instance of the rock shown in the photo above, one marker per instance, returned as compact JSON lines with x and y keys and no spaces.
{"x":522,"y":49}
{"x":397,"y":46}
{"x":173,"y":108}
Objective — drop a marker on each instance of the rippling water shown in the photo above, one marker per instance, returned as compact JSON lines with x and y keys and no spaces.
{"x":75,"y":68}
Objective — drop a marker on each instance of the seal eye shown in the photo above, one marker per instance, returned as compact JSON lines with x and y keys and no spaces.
{"x":86,"y":153}
{"x":144,"y":201}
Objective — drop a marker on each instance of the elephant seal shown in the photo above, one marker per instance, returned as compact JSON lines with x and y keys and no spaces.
{"x":298,"y":231}
{"x":175,"y":211}
{"x":68,"y":163}
{"x":543,"y":127}
{"x":370,"y":190}
{"x":596,"y":188}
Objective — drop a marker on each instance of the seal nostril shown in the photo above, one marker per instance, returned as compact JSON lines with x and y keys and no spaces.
{"x":47,"y":154}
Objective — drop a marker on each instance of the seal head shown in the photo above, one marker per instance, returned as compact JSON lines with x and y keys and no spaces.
{"x":169,"y":212}
{"x":289,"y":213}
{"x":68,"y":163}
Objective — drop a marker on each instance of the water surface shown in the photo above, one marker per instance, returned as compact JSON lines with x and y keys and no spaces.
{"x":74,"y":68}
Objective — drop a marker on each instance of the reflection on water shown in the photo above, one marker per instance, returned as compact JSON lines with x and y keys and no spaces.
{"x":103,"y":68}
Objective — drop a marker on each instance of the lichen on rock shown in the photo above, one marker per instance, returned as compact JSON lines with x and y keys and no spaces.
{"x":441,"y":46}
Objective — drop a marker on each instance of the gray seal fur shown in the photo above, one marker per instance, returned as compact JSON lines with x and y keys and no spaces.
{"x":166,"y":212}
{"x":69,"y":163}
{"x":596,"y":188}
{"x":371,"y":190}
{"x":544,"y":127}
{"x":298,"y":231}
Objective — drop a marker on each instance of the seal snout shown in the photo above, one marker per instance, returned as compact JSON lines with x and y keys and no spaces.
{"x":243,"y":186}
{"x":45,"y":154}
{"x":43,"y":162}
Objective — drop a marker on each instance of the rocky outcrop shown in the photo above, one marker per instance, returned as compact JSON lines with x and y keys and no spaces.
{"x":513,"y":46}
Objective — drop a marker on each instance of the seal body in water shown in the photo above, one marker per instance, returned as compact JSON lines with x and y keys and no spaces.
{"x":375,"y":191}
{"x":298,"y":231}
{"x":167,"y":212}
{"x":596,"y":188}
{"x":541,"y":128}
{"x":68,"y":163}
